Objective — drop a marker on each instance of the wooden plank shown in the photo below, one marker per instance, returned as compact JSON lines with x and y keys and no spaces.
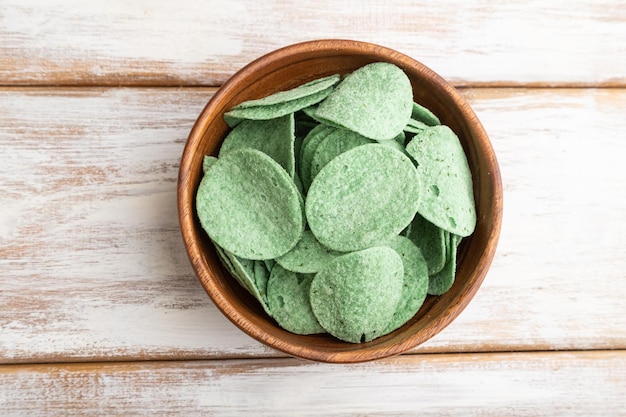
{"x":93,"y":267}
{"x":203,"y":42}
{"x":524,"y":384}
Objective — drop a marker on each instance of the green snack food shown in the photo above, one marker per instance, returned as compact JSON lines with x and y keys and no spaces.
{"x":375,"y":101}
{"x":308,"y":256}
{"x":250,"y":206}
{"x":245,"y":271}
{"x":363,"y":197}
{"x":447,"y":196}
{"x":415,"y":126}
{"x":207,"y":162}
{"x":274,"y":137}
{"x":302,"y":91}
{"x":288,"y":295}
{"x":431,"y":240}
{"x":332,"y":153}
{"x":415,"y":282}
{"x":334,"y":144}
{"x":442,"y":281}
{"x":355,"y":295}
{"x":422,"y":114}
{"x":283,"y":102}
{"x":307,"y":151}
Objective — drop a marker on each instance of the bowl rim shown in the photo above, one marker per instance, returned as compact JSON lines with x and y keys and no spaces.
{"x":203,"y":271}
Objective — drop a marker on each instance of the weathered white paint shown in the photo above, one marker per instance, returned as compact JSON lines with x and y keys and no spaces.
{"x":160,"y":30}
{"x":204,"y":42}
{"x":522,"y":384}
{"x":93,"y":265}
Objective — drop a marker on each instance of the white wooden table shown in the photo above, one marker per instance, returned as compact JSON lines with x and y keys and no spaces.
{"x":100,"y":312}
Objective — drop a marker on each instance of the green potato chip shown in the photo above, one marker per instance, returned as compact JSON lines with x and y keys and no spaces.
{"x":443,"y":280}
{"x":415,"y":282}
{"x":362,"y":198}
{"x":261,"y":277}
{"x":274,"y":137}
{"x":334,"y":144}
{"x":250,"y":206}
{"x":447,"y":196}
{"x":207,"y":162}
{"x":355,"y":296}
{"x":307,"y":151}
{"x":420,"y":113}
{"x":308,"y":256}
{"x":288,"y":295}
{"x":225,"y":260}
{"x":283,"y":102}
{"x":302,"y":91}
{"x":251,"y":275}
{"x":375,"y":101}
{"x":431,"y":240}
{"x":415,"y":126}
{"x":269,"y":264}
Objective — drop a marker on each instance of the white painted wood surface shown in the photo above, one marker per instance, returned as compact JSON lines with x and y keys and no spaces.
{"x":94,"y":267}
{"x":581,"y":384}
{"x":100,"y":313}
{"x":193,"y":42}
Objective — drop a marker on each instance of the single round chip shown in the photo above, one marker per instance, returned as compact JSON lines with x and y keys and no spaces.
{"x":288,"y":295}
{"x":375,"y":100}
{"x":250,"y":206}
{"x":415,"y":283}
{"x":308,"y":256}
{"x":362,"y":198}
{"x":355,"y":295}
{"x":447,"y":196}
{"x":274,"y":137}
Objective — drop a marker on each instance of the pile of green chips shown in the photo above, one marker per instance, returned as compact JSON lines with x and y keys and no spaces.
{"x":339,"y":205}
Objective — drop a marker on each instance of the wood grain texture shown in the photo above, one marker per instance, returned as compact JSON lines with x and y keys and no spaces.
{"x":524,"y":384}
{"x":203,"y":42}
{"x":93,"y":266}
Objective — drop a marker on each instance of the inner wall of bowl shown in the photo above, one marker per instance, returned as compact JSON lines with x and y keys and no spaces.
{"x":257,"y":84}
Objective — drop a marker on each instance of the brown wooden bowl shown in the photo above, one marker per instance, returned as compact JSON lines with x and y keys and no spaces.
{"x":287,"y":68}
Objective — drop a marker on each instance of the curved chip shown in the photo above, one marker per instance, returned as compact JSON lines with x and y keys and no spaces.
{"x":274,"y":137}
{"x":283,"y":102}
{"x":447,"y":196}
{"x":362,"y":198}
{"x":431,"y":240}
{"x":251,"y":275}
{"x":375,"y":100}
{"x":207,"y":162}
{"x":443,"y":280}
{"x":308,"y":256}
{"x":288,"y":295}
{"x":250,"y":206}
{"x":307,"y":151}
{"x":415,"y":282}
{"x":355,"y":295}
{"x":420,"y":113}
{"x":334,"y":144}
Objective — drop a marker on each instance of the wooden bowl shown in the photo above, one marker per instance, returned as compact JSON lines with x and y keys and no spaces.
{"x":287,"y":68}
